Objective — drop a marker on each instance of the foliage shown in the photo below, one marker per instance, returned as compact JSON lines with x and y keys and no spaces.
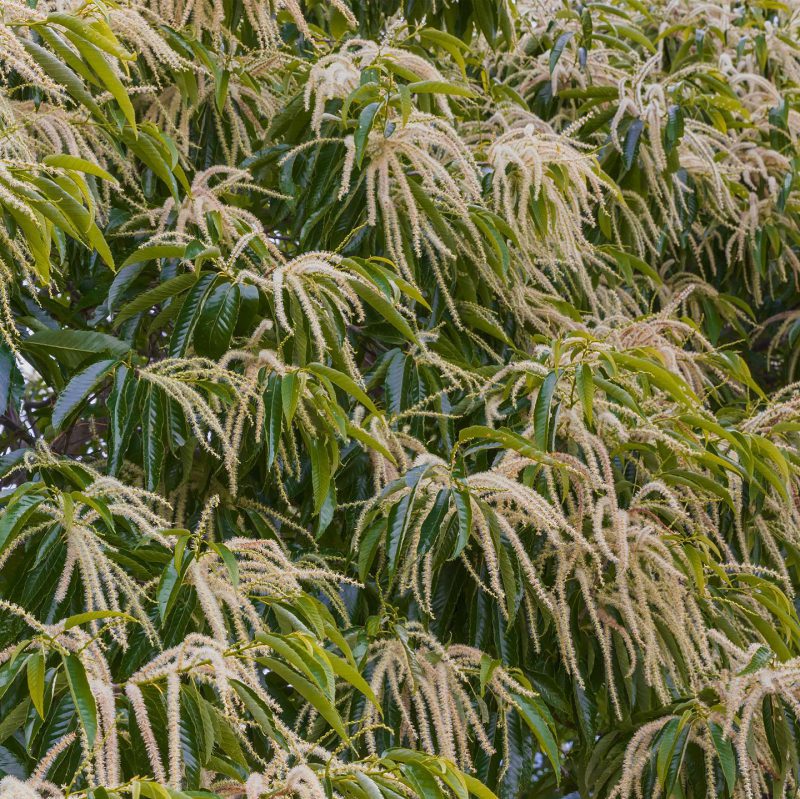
{"x":397,"y":399}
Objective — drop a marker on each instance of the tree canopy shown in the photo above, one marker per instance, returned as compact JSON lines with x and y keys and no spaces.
{"x":398,"y":400}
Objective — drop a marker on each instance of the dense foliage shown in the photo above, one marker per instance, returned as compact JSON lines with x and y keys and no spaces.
{"x":398,"y":399}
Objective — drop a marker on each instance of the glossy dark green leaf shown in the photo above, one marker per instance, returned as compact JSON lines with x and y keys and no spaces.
{"x":155,"y":296}
{"x":72,"y":347}
{"x":153,"y":436}
{"x":725,"y":755}
{"x":273,"y":417}
{"x":542,"y":411}
{"x":217,"y":320}
{"x":82,"y":695}
{"x":432,"y":525}
{"x":9,"y":376}
{"x":397,"y":527}
{"x":78,"y":390}
{"x":538,"y":718}
{"x":123,"y":418}
{"x":365,"y":121}
{"x":675,"y":126}
{"x":15,"y":515}
{"x":367,"y":549}
{"x":671,"y":750}
{"x":189,"y":315}
{"x":168,"y":587}
{"x":631,"y":146}
{"x":558,"y":49}
{"x":463,"y":504}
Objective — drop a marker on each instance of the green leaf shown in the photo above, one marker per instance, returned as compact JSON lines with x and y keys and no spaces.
{"x":488,"y":666}
{"x":72,"y":347}
{"x":9,"y":377}
{"x":99,"y":34}
{"x":221,"y":89}
{"x":397,"y":526}
{"x":148,"y":148}
{"x":725,"y":755}
{"x":189,"y":315}
{"x":369,"y":441}
{"x":422,"y":782}
{"x":14,"y":720}
{"x":538,"y":718}
{"x":152,"y":252}
{"x":310,"y":693}
{"x":463,"y":504}
{"x":122,"y":421}
{"x":673,"y":133}
{"x":406,"y":106}
{"x":452,"y":44}
{"x":153,"y":437}
{"x":10,"y":669}
{"x":15,"y":515}
{"x":367,"y":549}
{"x":510,"y":440}
{"x":94,"y":615}
{"x":78,"y":389}
{"x":541,"y":411}
{"x":152,"y":790}
{"x":344,"y":670}
{"x":361,"y":136}
{"x":485,"y":12}
{"x":64,"y":161}
{"x":98,"y":241}
{"x":369,"y":785}
{"x":155,"y":296}
{"x":36,"y":237}
{"x":290,"y":395}
{"x":760,"y":658}
{"x":320,"y":469}
{"x":229,"y":559}
{"x":167,"y":592}
{"x":477,"y":788}
{"x":217,"y":321}
{"x":661,"y":377}
{"x":35,"y":674}
{"x":257,"y":709}
{"x":273,"y":417}
{"x":618,"y":394}
{"x":698,"y":481}
{"x":346,"y":383}
{"x":585,"y":386}
{"x":631,"y":147}
{"x":57,"y":70}
{"x":440,"y":87}
{"x":384,"y":308}
{"x":558,"y":49}
{"x":95,"y":59}
{"x":433,"y":523}
{"x":82,"y":696}
{"x":673,"y":739}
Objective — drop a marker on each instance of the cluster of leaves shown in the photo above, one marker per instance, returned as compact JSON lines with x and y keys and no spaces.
{"x":390,"y":391}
